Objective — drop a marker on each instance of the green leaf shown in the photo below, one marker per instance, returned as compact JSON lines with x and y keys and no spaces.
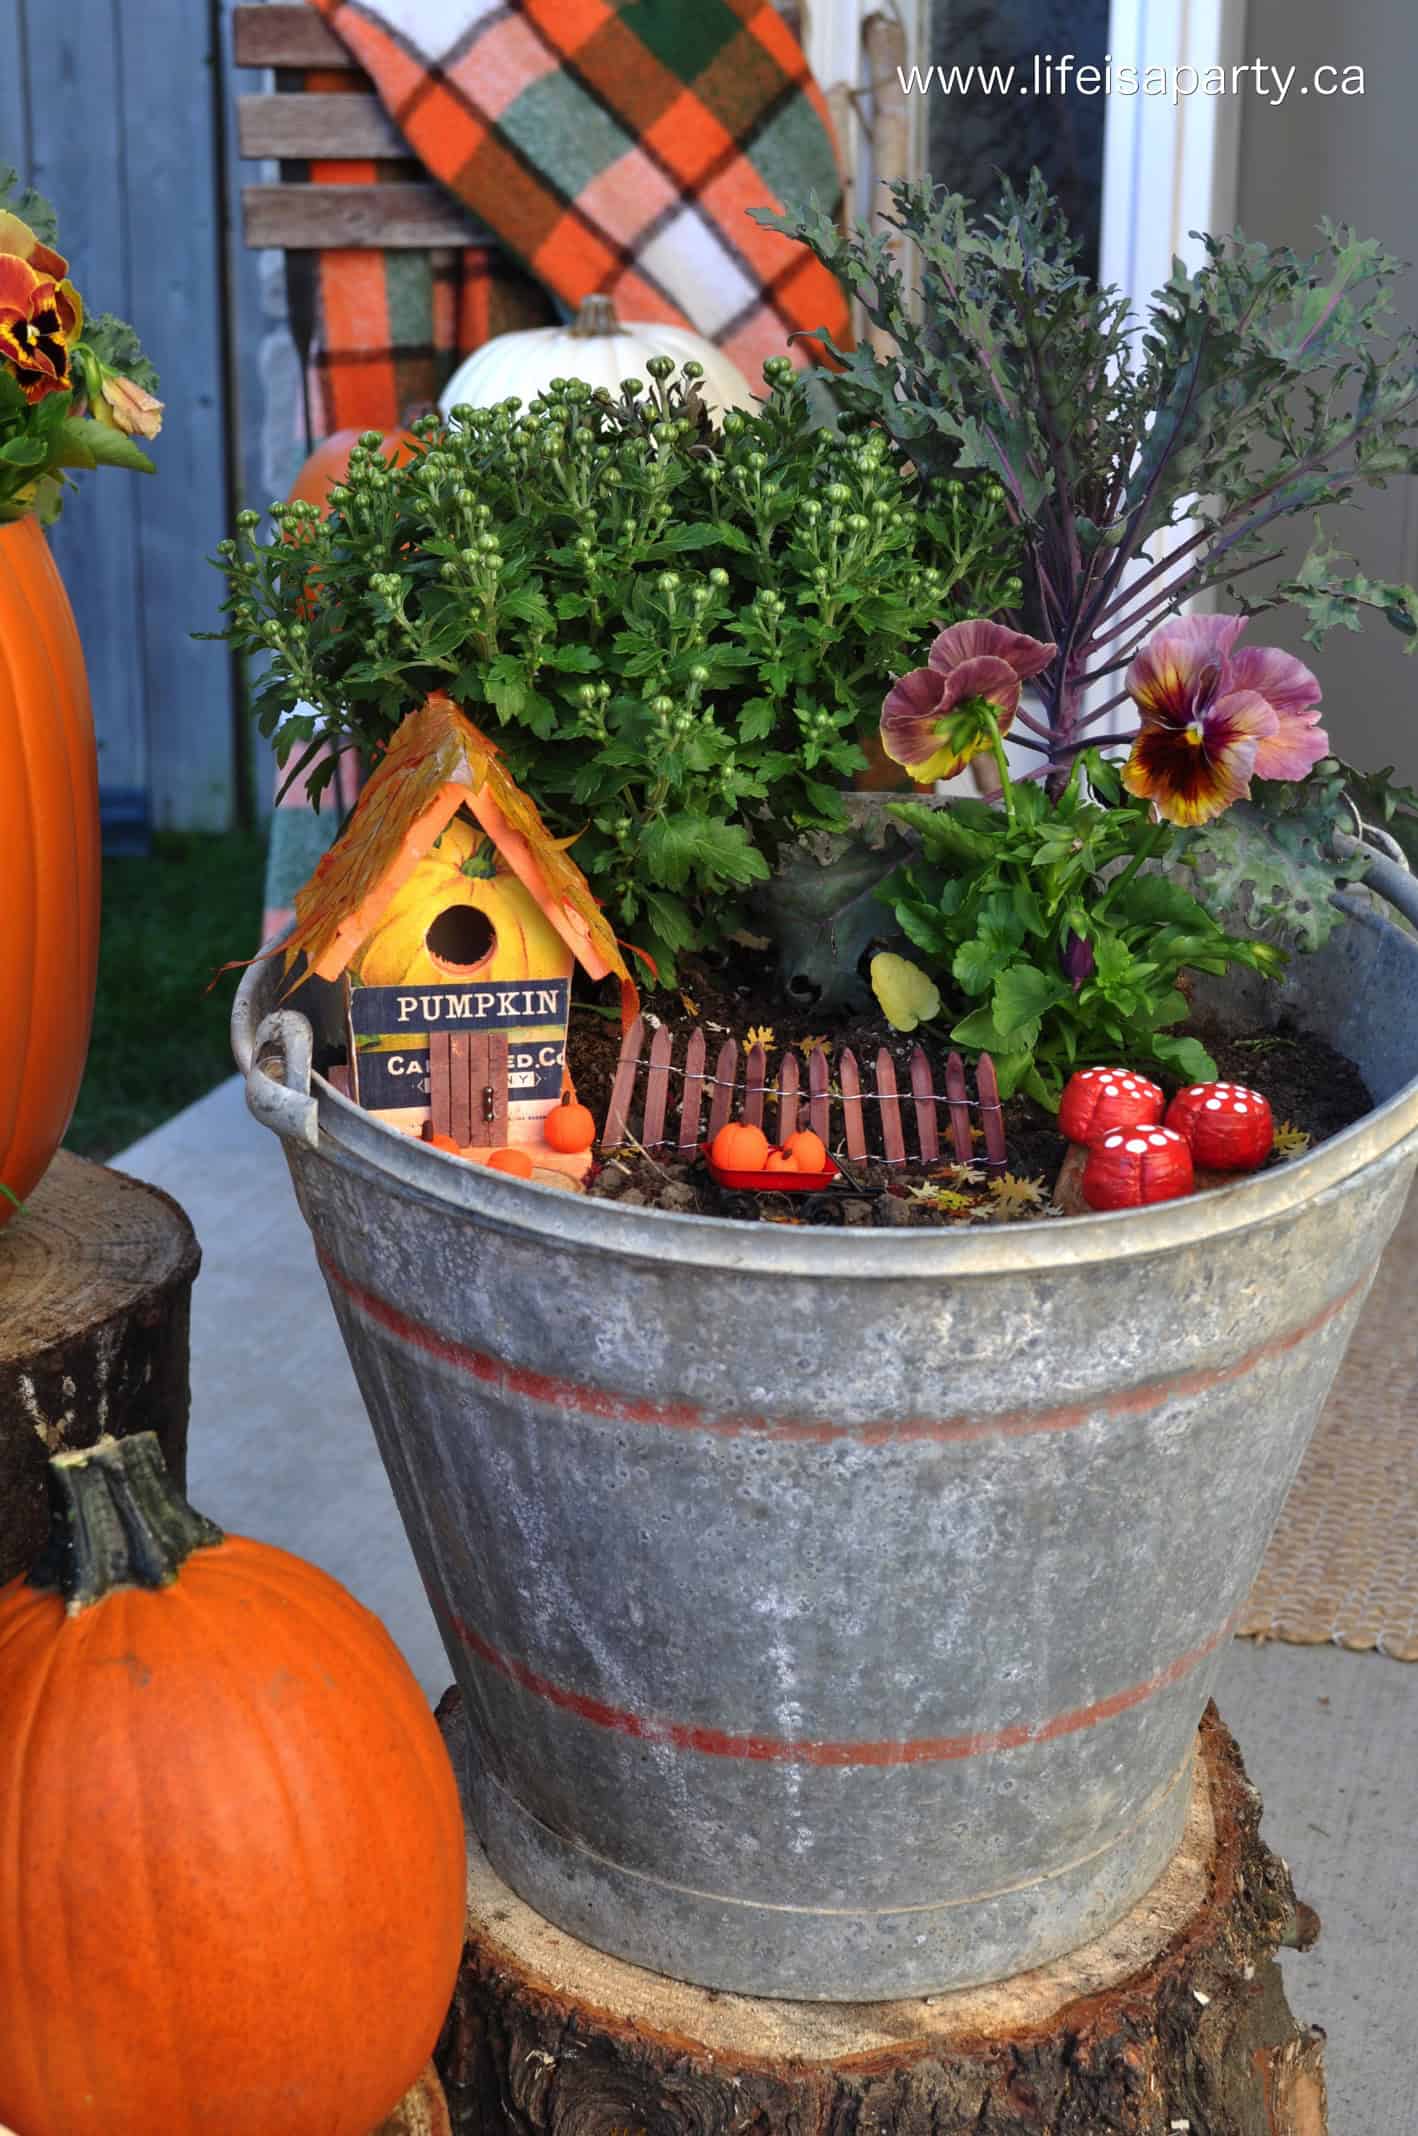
{"x":87,"y":443}
{"x":1155,"y":899}
{"x":1331,"y":596}
{"x":118,"y":348}
{"x":977,"y":964}
{"x":1028,"y":910}
{"x":689,"y":846}
{"x":671,"y":919}
{"x":979,"y":1033}
{"x":1022,"y":994}
{"x":758,"y":718}
{"x":1268,"y":866}
{"x":505,"y":686}
{"x":1188,"y":1057}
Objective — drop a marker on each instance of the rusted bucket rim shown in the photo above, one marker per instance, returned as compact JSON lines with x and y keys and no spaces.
{"x":350,"y":1135}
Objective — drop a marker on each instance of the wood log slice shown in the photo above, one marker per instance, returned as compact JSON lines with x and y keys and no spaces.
{"x":1175,"y":2021}
{"x":421,"y":2112}
{"x":95,"y":1288}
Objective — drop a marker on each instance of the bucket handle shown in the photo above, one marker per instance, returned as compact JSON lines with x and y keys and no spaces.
{"x":278,"y":1081}
{"x":1390,"y":879}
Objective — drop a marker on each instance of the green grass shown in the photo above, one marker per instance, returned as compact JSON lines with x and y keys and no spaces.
{"x":160,"y":1039}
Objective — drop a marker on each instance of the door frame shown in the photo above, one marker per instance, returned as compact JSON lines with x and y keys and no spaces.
{"x":1170,"y":165}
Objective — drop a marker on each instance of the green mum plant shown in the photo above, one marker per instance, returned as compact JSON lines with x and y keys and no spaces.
{"x":74,"y":392}
{"x":1146,"y":466}
{"x":675,"y":633}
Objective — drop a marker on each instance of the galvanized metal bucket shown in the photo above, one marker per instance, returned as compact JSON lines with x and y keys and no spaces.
{"x":834,"y":1614}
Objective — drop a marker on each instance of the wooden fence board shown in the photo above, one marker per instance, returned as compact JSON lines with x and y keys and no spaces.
{"x":622,"y":1089}
{"x":923,"y":1094}
{"x":991,"y":1118}
{"x":266,"y":35}
{"x":892,"y":1139}
{"x":171,"y":187}
{"x":755,"y":1072}
{"x":265,"y":403}
{"x":394,"y":217}
{"x":315,"y":126}
{"x":849,"y":1076}
{"x":726,"y":1069}
{"x":819,"y":1102}
{"x":14,"y":94}
{"x":693,"y":1091}
{"x":657,"y":1088}
{"x":74,"y":65}
{"x":787,"y":1096}
{"x":962,"y":1142}
{"x":440,"y":1082}
{"x":460,"y":1077}
{"x":494,"y":1090}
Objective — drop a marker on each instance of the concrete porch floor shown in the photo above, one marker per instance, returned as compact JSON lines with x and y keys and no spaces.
{"x":281,"y":1449}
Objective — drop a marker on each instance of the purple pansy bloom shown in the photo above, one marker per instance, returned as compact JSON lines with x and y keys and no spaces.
{"x":932,"y":719}
{"x":1213,"y":718}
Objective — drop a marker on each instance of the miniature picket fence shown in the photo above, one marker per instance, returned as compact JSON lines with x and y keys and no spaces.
{"x":842,"y":1105}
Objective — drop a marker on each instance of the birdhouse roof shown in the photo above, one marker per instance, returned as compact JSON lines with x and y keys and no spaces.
{"x":437,"y":763}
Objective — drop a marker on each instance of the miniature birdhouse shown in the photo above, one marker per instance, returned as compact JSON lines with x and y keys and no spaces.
{"x":456,"y":922}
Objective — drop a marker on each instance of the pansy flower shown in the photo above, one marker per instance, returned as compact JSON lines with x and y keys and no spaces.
{"x":40,"y":311}
{"x":939,"y":716}
{"x":1213,"y":718}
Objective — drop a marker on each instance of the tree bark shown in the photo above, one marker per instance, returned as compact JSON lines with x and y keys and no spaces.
{"x":1175,"y":2021}
{"x":95,"y":1288}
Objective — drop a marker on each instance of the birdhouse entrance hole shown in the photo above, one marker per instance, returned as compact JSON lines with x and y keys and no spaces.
{"x":461,"y":939}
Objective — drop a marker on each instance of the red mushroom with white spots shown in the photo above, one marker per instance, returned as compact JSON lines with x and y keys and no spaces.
{"x":1228,"y":1126}
{"x":1097,"y":1101}
{"x":1128,"y":1170}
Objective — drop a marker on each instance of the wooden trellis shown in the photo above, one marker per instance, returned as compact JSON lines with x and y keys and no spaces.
{"x":867,"y":1114}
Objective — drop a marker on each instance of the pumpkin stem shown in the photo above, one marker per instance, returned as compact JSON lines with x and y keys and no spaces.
{"x":116,"y":1519}
{"x":596,"y":316}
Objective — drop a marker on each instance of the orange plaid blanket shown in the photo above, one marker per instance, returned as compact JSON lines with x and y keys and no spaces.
{"x":607,"y":145}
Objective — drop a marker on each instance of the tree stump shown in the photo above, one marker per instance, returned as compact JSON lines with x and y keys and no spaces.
{"x":421,"y":2112}
{"x":95,"y":1288}
{"x":1175,"y":2021}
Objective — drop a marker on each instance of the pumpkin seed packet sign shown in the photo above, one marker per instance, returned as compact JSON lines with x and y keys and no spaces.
{"x":390,"y":1026}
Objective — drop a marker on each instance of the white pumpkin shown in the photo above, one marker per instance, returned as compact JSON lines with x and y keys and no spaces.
{"x":596,"y":347}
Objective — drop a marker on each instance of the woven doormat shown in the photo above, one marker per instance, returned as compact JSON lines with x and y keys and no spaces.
{"x":1343,"y":1565}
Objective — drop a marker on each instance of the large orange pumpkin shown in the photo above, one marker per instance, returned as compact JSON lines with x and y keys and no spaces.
{"x":330,"y":463}
{"x":232,"y":1857}
{"x":49,"y":861}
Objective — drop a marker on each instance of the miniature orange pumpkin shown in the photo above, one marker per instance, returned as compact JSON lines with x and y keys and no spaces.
{"x":739,"y":1148}
{"x":462,"y":915}
{"x":569,"y":1127}
{"x":781,"y":1160}
{"x":809,"y":1150}
{"x":49,"y":861}
{"x":232,"y":1893}
{"x":517,"y":1162}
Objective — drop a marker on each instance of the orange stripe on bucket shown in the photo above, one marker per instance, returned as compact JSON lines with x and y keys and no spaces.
{"x":602,"y":1403}
{"x":786,"y":1750}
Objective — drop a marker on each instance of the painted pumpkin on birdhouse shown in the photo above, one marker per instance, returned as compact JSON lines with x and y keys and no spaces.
{"x":461,"y":915}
